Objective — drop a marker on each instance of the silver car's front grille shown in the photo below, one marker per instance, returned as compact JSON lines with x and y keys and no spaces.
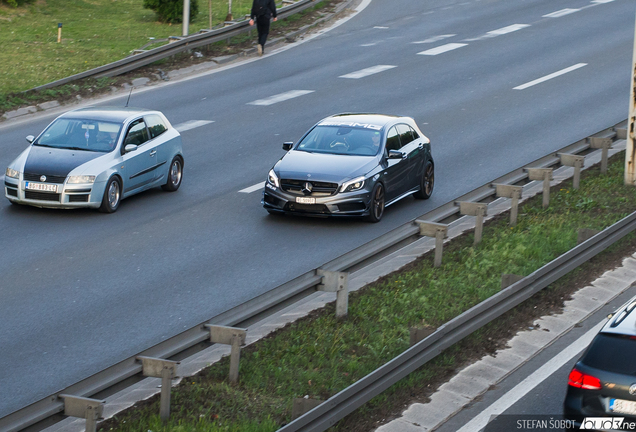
{"x":49,"y":178}
{"x":42,"y":196}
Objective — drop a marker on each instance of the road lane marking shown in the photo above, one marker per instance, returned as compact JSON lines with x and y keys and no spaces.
{"x":254,"y":188}
{"x":435,"y":39}
{"x":442,"y":49}
{"x":560,"y":13}
{"x":508,"y":29}
{"x":380,"y":27}
{"x":533,"y":380}
{"x":192,"y":124}
{"x":602,"y":1}
{"x":280,"y":97}
{"x":368,"y":71}
{"x":549,"y":77}
{"x":369,"y":44}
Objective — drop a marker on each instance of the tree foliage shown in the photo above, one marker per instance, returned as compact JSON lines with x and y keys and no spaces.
{"x":15,"y":3}
{"x":170,"y":11}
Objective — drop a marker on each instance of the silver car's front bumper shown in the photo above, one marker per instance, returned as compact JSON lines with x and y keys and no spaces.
{"x":66,"y":195}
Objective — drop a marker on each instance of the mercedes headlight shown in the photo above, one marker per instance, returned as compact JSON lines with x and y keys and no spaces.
{"x":81,"y":179}
{"x":272,"y":178}
{"x":353,"y":185}
{"x":12,"y":173}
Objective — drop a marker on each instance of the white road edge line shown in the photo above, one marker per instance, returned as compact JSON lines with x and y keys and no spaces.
{"x":254,"y":188}
{"x":533,"y":380}
{"x":280,"y":97}
{"x":368,"y":71}
{"x":549,"y":77}
{"x":192,"y":124}
{"x":442,"y":49}
{"x":560,"y":13}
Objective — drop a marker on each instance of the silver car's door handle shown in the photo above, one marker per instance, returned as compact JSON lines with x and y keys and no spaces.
{"x":154,"y":152}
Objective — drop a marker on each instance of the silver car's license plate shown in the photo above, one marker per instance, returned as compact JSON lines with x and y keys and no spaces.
{"x":305,"y":200}
{"x":41,"y":187}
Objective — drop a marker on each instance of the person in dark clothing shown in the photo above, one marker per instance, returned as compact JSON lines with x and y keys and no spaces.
{"x":262,"y":12}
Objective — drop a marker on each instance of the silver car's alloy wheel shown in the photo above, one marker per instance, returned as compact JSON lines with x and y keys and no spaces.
{"x":112,"y":196}
{"x":175,"y":175}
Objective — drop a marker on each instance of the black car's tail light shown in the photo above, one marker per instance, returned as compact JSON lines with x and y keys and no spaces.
{"x":584,"y":381}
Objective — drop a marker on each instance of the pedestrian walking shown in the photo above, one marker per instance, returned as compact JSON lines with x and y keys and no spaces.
{"x":262,"y":12}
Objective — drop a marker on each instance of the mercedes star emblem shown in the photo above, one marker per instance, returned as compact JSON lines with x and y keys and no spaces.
{"x":43,"y":178}
{"x":307,"y":188}
{"x":632,"y":389}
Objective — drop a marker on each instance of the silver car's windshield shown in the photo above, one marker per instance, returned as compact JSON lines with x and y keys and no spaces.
{"x":76,"y":134}
{"x":341,"y":140}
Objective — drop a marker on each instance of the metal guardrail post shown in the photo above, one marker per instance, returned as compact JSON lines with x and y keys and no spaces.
{"x":575,"y":161}
{"x":166,"y":370}
{"x":545,"y":175}
{"x":337,"y":282}
{"x":439,"y":232}
{"x":513,"y":192}
{"x":604,"y":144}
{"x":235,"y":337}
{"x":479,"y":210}
{"x":89,"y":409}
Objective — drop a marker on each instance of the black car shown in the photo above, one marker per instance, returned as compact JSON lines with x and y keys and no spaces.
{"x":603,"y":381}
{"x":351,"y":165}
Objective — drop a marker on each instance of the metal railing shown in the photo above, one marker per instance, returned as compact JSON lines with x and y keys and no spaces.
{"x":180,"y":44}
{"x":305,"y":285}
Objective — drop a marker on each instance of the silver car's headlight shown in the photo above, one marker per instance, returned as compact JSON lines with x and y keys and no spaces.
{"x":273,"y":178}
{"x":80,"y":179}
{"x":353,"y":185}
{"x":12,"y":173}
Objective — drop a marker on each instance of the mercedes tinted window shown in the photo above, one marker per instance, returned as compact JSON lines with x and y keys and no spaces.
{"x":406,"y":134}
{"x":393,"y":140}
{"x":612,"y":353}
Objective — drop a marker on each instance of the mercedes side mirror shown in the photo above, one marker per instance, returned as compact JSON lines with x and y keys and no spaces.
{"x":287,"y":146}
{"x":396,"y":154}
{"x":30,"y":139}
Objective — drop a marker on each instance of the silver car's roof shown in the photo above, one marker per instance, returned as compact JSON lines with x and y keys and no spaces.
{"x":113,"y":114}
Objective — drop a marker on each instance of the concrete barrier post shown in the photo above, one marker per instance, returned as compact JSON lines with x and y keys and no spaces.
{"x":437,"y":230}
{"x":479,"y":210}
{"x":545,"y":175}
{"x":81,"y":407}
{"x":337,"y":282}
{"x":514,"y":193}
{"x":573,"y":161}
{"x":167,"y":371}
{"x":235,"y":337}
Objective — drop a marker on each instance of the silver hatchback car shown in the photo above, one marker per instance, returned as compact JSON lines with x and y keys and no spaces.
{"x":94,"y":157}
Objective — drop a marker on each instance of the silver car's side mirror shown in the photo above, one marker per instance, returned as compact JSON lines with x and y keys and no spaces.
{"x":130,"y":148}
{"x":30,"y":139}
{"x":287,"y":146}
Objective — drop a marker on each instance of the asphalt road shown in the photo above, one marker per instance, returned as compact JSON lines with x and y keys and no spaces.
{"x":82,"y":290}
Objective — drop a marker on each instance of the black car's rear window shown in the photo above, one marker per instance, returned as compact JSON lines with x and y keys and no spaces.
{"x":612,"y":353}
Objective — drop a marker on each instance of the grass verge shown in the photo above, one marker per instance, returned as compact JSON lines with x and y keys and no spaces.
{"x":98,"y":32}
{"x":319,"y":355}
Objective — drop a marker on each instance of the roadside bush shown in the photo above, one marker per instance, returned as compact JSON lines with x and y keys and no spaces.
{"x":15,"y":3}
{"x":169,"y":11}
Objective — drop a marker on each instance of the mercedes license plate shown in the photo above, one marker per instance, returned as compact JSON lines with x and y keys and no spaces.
{"x":41,"y":187}
{"x":623,"y":406}
{"x":305,"y":200}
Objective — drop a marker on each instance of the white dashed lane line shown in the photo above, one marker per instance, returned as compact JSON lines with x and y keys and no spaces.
{"x":508,"y":29}
{"x":549,"y":77}
{"x":561,"y":13}
{"x":254,"y":188}
{"x":192,"y":124}
{"x":281,"y":97}
{"x":602,"y":1}
{"x":368,"y":71}
{"x":434,"y":39}
{"x":442,"y":49}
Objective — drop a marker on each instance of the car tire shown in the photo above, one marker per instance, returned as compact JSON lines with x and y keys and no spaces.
{"x":175,"y":175}
{"x":376,"y":206}
{"x":427,"y":182}
{"x":112,"y":195}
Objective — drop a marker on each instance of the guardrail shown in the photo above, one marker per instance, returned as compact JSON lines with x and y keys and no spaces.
{"x":305,"y":285}
{"x":181,"y":44}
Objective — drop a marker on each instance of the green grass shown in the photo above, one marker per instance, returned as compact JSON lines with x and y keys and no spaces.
{"x":320,"y":355}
